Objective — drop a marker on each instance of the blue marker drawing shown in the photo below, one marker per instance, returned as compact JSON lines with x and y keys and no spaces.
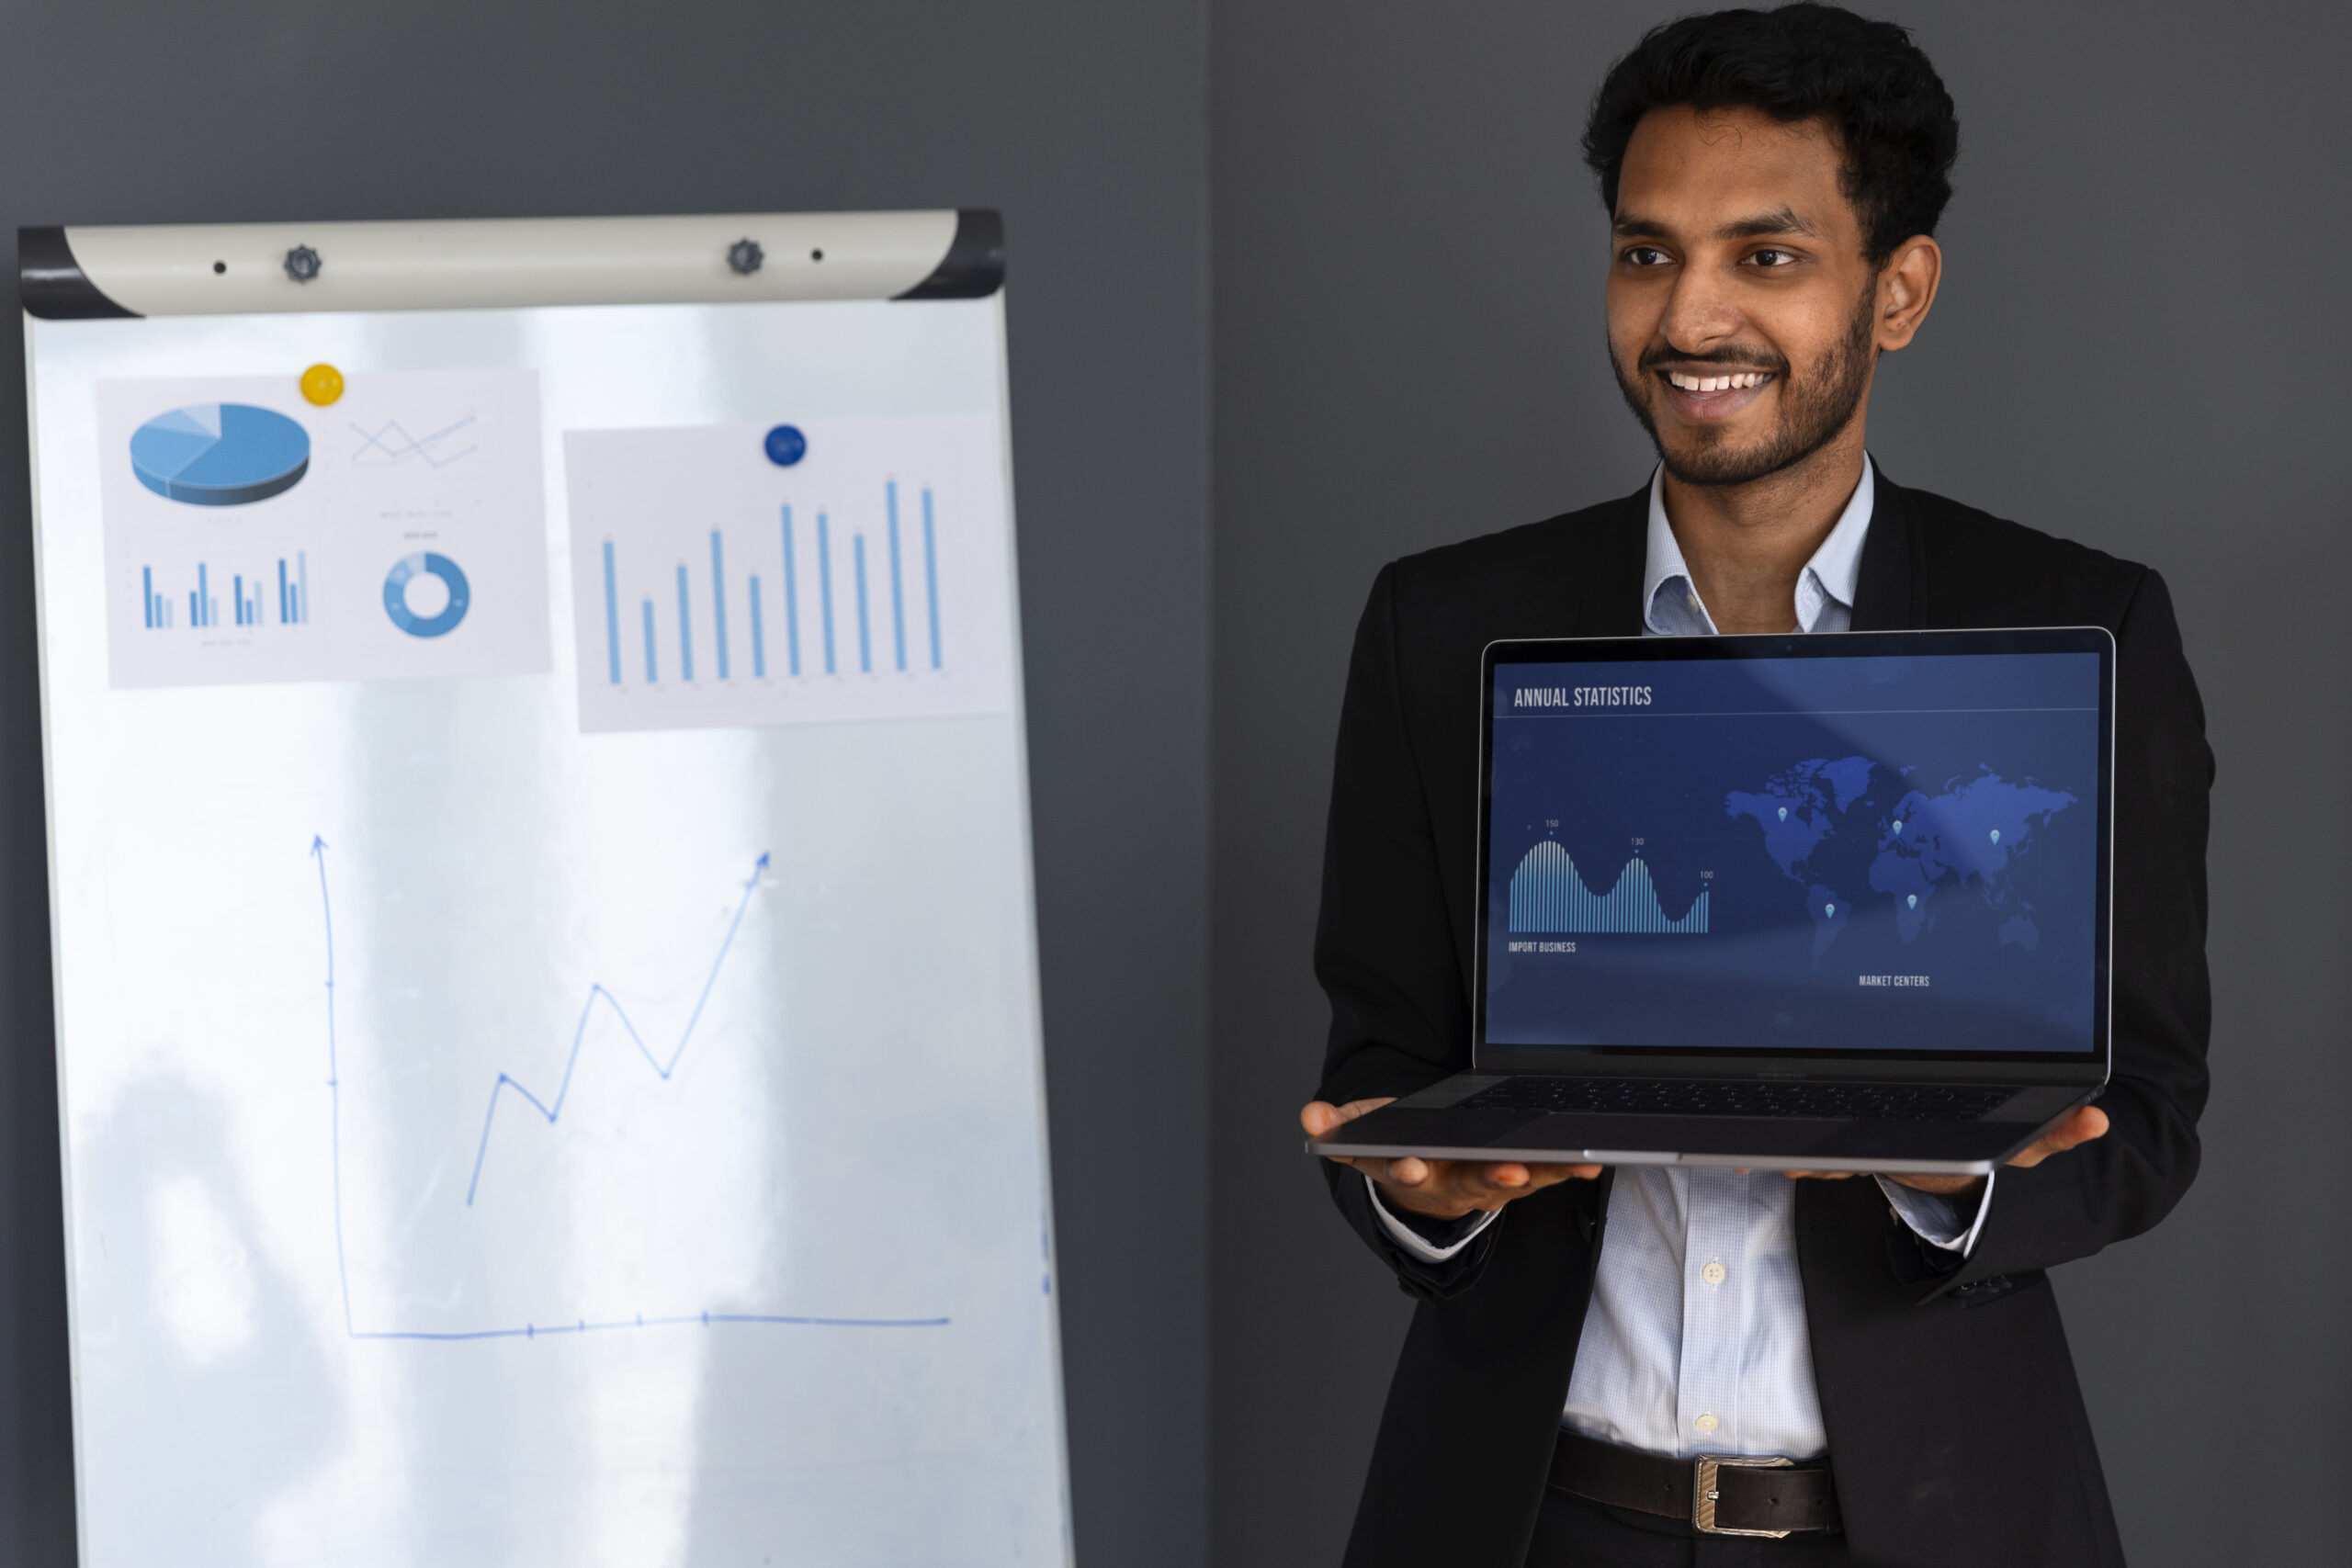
{"x":661,"y":1069}
{"x":551,"y":1114}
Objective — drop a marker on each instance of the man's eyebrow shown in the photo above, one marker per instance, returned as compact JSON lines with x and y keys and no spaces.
{"x":1779,"y":220}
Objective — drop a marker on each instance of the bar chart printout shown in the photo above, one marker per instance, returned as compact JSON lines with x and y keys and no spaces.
{"x":719,"y":588}
{"x":203,"y":606}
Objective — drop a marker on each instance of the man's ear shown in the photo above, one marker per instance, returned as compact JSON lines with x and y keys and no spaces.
{"x":1907,"y":288}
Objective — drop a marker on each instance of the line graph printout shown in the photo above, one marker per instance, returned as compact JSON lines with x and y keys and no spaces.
{"x":251,"y":535}
{"x":822,"y":569}
{"x":495,"y":1146}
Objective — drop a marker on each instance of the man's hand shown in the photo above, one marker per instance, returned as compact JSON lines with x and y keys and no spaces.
{"x":2087,"y":1122}
{"x":1442,"y":1189}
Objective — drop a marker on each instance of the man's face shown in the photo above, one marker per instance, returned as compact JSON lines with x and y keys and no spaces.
{"x":1743,"y":319}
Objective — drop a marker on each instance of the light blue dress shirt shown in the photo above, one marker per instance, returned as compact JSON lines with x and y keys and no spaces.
{"x":1695,"y":1341}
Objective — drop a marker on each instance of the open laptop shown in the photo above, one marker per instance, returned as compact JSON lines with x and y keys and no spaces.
{"x":1824,"y":903}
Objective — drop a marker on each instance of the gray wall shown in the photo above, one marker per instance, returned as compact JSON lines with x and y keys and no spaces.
{"x":2136,"y":347}
{"x":1084,"y":123}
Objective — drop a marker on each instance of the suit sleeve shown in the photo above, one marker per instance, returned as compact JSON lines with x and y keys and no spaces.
{"x":2118,"y":1186}
{"x":1384,"y":950}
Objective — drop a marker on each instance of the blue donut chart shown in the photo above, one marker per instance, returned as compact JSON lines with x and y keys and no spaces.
{"x":220,"y":453}
{"x":406,"y":570}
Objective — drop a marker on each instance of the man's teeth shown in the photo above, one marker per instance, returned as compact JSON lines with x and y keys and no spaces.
{"x":1717,"y":383}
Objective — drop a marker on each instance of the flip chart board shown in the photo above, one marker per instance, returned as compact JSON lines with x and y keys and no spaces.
{"x":546,"y":1002}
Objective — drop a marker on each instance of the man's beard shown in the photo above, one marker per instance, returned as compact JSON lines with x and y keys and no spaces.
{"x":1812,"y":412}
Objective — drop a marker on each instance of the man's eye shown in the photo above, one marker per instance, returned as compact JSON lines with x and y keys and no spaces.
{"x":1773,"y":258}
{"x":1645,"y":255}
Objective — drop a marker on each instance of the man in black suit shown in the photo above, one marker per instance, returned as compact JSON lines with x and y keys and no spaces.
{"x":1774,"y":180}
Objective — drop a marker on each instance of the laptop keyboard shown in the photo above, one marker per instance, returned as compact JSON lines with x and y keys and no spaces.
{"x":1688,"y":1097}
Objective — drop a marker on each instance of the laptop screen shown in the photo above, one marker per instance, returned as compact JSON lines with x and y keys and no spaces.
{"x":1883,"y":843}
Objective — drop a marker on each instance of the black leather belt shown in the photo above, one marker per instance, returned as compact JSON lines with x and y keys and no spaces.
{"x":1715,"y":1493}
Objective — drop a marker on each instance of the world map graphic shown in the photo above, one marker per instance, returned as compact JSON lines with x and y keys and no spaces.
{"x":1859,"y":836}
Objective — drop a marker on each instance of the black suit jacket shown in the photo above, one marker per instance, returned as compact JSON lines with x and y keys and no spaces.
{"x":1956,"y":1428}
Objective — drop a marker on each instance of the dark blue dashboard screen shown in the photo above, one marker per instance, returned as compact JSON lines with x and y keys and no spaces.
{"x":1804,"y":854}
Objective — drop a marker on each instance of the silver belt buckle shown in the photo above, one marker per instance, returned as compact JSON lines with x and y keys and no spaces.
{"x":1703,"y":1490}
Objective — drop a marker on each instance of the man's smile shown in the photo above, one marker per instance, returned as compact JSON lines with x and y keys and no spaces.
{"x":1708,"y":392}
{"x":1717,"y":383}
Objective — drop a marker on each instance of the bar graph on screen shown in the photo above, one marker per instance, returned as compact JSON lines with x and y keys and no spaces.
{"x":716,"y":587}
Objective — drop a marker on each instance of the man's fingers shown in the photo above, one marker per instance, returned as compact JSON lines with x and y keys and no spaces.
{"x":1945,"y":1186}
{"x":1319,"y":1116}
{"x":2084,"y":1124}
{"x":1446,"y":1188}
{"x":2088,"y":1123}
{"x":1513,"y":1178}
{"x":1462,"y":1185}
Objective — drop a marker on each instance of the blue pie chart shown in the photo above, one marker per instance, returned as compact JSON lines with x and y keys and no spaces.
{"x":407,"y":569}
{"x":220,"y":453}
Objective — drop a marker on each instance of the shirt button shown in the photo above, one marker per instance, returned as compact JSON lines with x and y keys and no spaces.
{"x":1707,"y":1423}
{"x":1714,"y":1273}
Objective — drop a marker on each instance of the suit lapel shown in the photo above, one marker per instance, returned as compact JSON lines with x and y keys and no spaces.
{"x":1888,"y":586}
{"x":1610,"y":605}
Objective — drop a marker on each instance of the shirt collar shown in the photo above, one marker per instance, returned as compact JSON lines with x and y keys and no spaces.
{"x":1671,"y":604}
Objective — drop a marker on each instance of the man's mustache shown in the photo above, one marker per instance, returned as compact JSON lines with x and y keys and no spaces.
{"x":1654,"y":358}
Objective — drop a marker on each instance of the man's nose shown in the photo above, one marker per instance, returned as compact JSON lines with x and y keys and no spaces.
{"x":1700,"y":313}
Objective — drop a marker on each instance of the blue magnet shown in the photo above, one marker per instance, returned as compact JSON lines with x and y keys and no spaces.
{"x":786,"y":446}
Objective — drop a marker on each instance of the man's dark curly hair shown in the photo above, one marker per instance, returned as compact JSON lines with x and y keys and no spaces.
{"x":1803,"y":61}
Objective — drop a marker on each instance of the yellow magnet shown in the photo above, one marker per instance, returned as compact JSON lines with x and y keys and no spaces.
{"x":321,"y":384}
